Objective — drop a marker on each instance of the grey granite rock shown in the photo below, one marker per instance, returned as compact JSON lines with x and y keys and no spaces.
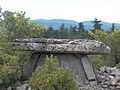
{"x":88,"y":68}
{"x":22,"y":87}
{"x":81,"y":46}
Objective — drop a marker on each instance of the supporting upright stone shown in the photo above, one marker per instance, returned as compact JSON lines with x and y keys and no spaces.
{"x":72,"y":62}
{"x":88,"y":68}
{"x":31,"y":66}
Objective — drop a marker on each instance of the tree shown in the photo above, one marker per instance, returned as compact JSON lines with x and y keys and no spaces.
{"x":97,"y":25}
{"x":70,"y":32}
{"x":56,"y":34}
{"x":49,"y":32}
{"x":113,"y":41}
{"x":81,"y":30}
{"x":115,"y":45}
{"x":63,"y":32}
{"x":74,"y":31}
{"x":113,"y":27}
{"x":14,"y":25}
{"x":9,"y":22}
{"x":19,"y":26}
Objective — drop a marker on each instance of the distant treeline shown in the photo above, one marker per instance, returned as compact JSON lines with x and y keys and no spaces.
{"x":73,"y":32}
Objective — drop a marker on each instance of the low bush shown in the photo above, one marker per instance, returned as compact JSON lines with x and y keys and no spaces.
{"x":118,"y":66}
{"x":51,"y":77}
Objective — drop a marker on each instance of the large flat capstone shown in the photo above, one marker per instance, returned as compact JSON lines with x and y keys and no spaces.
{"x":81,"y":46}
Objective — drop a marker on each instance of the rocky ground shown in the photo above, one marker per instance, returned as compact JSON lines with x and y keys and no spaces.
{"x":106,"y":79}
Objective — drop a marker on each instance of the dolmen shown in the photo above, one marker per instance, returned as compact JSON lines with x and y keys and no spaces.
{"x":70,"y":53}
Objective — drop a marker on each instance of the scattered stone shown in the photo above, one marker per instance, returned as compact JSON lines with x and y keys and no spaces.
{"x":104,"y":86}
{"x":112,"y":87}
{"x":113,"y":82}
{"x":22,"y":87}
{"x":102,"y":69}
{"x":110,"y":82}
{"x":118,"y":84}
{"x":9,"y":88}
{"x":117,"y":87}
{"x":86,"y":82}
{"x":93,"y":83}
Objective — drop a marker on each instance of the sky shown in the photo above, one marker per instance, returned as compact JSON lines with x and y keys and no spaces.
{"x":78,"y":10}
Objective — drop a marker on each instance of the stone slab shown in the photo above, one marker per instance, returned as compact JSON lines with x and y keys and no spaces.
{"x":81,"y":46}
{"x":88,"y":68}
{"x":31,"y":65}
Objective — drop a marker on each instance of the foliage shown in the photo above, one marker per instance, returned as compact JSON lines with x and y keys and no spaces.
{"x":100,"y":35}
{"x":50,"y":77}
{"x":19,"y":26}
{"x":97,"y":25}
{"x":113,"y":41}
{"x":9,"y":66}
{"x":99,"y":60}
{"x":118,"y":66}
{"x":115,"y":45}
{"x":67,"y":33}
{"x":14,"y":25}
{"x":9,"y":70}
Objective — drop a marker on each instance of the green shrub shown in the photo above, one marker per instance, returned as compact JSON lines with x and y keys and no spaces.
{"x":113,"y":41}
{"x":11,"y":62}
{"x":50,"y":77}
{"x":118,"y":66}
{"x":9,"y":70}
{"x":99,"y":60}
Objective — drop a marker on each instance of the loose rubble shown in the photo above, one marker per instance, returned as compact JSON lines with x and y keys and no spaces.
{"x":107,"y":79}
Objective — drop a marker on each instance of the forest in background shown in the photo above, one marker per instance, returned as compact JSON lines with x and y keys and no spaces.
{"x":15,"y":25}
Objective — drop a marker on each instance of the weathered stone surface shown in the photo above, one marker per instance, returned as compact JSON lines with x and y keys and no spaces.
{"x":74,"y":63}
{"x":70,"y":61}
{"x":22,"y":87}
{"x":88,"y":68}
{"x":9,"y":88}
{"x":81,"y":46}
{"x":31,"y":65}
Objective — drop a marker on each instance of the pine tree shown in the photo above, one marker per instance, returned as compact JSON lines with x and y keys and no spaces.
{"x":49,"y":32}
{"x":81,"y":28}
{"x":113,"y":27}
{"x":62,"y":31}
{"x":97,"y":25}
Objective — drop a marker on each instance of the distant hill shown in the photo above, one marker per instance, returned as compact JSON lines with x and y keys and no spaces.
{"x":56,"y":23}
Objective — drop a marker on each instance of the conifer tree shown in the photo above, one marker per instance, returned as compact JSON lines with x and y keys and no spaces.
{"x":81,"y":28}
{"x":113,"y":27}
{"x":97,"y":25}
